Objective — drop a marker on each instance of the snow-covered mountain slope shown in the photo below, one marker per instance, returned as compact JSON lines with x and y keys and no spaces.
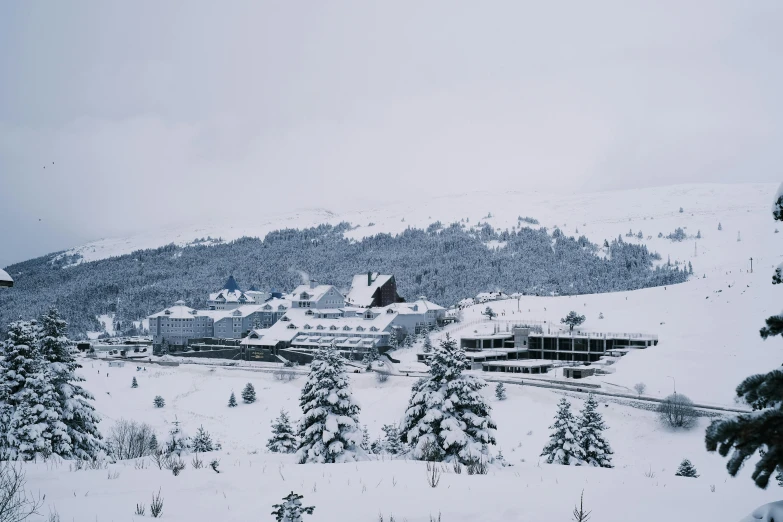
{"x":597,"y":215}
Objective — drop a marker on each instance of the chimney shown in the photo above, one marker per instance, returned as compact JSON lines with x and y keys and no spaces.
{"x":312,"y":283}
{"x":369,"y":278}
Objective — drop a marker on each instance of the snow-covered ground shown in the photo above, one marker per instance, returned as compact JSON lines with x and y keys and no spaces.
{"x":253,"y":480}
{"x":708,"y":332}
{"x":598,"y":215}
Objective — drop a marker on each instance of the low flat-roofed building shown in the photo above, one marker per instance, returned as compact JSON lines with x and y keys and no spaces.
{"x":528,"y":367}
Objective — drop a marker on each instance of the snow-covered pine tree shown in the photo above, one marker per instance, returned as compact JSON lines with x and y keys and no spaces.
{"x":329,"y":430}
{"x":720,"y":227}
{"x":391,"y":441}
{"x":153,"y":445}
{"x":158,"y":402}
{"x":291,"y":509}
{"x":370,"y":356}
{"x":202,"y":441}
{"x":500,"y":392}
{"x":283,"y":439}
{"x":31,"y":415}
{"x":134,"y":383}
{"x":563,"y":447}
{"x":459,"y":428}
{"x":686,"y":469}
{"x":365,"y":444}
{"x":232,"y":401}
{"x":78,"y":414}
{"x":427,"y":347}
{"x":595,"y":448}
{"x":249,"y":394}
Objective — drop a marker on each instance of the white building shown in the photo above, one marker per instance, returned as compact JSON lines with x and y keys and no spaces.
{"x":317,"y":296}
{"x":5,"y":279}
{"x":232,"y":297}
{"x":178,"y":324}
{"x":415,"y":315}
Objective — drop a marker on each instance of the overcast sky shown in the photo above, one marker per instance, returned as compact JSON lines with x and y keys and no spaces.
{"x":148,"y":113}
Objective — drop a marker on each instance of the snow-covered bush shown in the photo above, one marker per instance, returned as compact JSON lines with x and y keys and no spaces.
{"x":563,"y":446}
{"x":158,"y":402}
{"x":686,"y":469}
{"x":291,"y":510}
{"x":447,"y":417}
{"x":134,"y":383}
{"x":283,"y":439}
{"x":329,"y":429}
{"x":678,"y":235}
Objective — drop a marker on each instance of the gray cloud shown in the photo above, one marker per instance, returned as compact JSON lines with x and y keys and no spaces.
{"x":157,"y":113}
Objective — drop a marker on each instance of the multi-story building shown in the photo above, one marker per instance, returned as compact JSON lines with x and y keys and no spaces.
{"x":373,"y":290}
{"x":179,"y":324}
{"x":414,"y":316}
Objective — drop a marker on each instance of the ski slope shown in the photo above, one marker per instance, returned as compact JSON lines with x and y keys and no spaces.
{"x":598,"y":215}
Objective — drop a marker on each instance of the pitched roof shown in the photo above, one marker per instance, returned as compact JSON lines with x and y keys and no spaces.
{"x":314,"y":293}
{"x":231,"y":284}
{"x":364,"y":286}
{"x":5,"y":279}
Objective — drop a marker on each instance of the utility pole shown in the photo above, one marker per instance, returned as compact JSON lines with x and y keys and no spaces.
{"x":674,"y":383}
{"x":751,"y":265}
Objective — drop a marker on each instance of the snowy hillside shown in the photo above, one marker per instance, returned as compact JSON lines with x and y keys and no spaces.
{"x":598,"y":216}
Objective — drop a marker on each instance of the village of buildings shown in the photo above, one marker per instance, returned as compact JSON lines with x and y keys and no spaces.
{"x":276,"y":327}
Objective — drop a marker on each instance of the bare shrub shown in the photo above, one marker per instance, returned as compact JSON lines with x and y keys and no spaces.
{"x":285,"y":375}
{"x":677,"y":411}
{"x":381,"y":377}
{"x":197,"y":463}
{"x":130,"y":440}
{"x":433,"y":474}
{"x":140,"y":509}
{"x":174,"y":464}
{"x":477,"y":467}
{"x":156,"y":507}
{"x":640,"y":388}
{"x":54,"y":516}
{"x":16,"y":503}
{"x":214,"y":465}
{"x":158,"y":457}
{"x":113,"y":475}
{"x":457,"y":467}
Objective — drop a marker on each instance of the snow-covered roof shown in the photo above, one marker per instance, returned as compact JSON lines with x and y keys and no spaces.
{"x":364,"y":286}
{"x":178,"y":311}
{"x":5,"y":279}
{"x":419,"y":306}
{"x":230,"y":296}
{"x":314,"y":293}
{"x":296,"y":319}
